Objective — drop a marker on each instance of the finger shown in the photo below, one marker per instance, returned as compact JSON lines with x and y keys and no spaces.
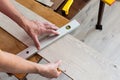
{"x":58,"y":63}
{"x":50,"y":26}
{"x":36,"y":41}
{"x":59,"y":72}
{"x":49,"y":31}
{"x":39,"y":23}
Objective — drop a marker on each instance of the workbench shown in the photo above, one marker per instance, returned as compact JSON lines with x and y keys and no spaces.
{"x":80,"y":61}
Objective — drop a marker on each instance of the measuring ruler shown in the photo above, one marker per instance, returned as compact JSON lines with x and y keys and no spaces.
{"x":31,"y":50}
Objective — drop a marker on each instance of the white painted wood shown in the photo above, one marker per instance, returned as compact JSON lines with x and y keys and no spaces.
{"x":11,"y":27}
{"x":46,"y":2}
{"x":38,"y":77}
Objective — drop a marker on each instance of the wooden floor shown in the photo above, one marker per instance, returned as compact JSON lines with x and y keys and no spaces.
{"x":107,"y":41}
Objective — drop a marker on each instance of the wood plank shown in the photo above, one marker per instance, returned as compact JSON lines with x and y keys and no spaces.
{"x":16,"y":31}
{"x":57,"y":4}
{"x":5,"y":37}
{"x":80,"y":61}
{"x":4,"y":76}
{"x":45,"y":12}
{"x":16,"y":46}
{"x":46,"y":2}
{"x":7,"y":23}
{"x":106,"y":41}
{"x":38,"y":77}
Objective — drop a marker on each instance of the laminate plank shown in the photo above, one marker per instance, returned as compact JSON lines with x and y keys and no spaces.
{"x":16,"y":46}
{"x":38,"y":77}
{"x":80,"y":61}
{"x":106,"y":41}
{"x":46,"y":2}
{"x":16,"y":31}
{"x":4,"y":76}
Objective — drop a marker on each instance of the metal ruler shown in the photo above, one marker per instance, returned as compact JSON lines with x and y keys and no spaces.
{"x":31,"y":50}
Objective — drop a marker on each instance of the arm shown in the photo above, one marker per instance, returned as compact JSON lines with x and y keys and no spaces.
{"x":14,"y":64}
{"x":33,"y":28}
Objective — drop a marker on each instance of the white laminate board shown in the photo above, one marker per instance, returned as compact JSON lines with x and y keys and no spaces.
{"x":11,"y":27}
{"x":106,"y":41}
{"x":38,"y":77}
{"x":4,"y":76}
{"x":46,"y":2}
{"x":80,"y":61}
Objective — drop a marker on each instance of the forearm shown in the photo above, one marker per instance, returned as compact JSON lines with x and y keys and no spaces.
{"x":8,"y":9}
{"x":14,"y":64}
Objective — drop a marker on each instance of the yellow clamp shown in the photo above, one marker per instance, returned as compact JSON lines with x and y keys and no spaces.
{"x":67,"y":6}
{"x":109,"y":2}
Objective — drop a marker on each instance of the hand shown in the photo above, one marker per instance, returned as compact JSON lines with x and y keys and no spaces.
{"x":36,"y":28}
{"x":50,"y":70}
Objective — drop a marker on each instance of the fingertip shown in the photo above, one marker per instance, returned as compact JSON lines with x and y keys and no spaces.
{"x":59,"y":63}
{"x":38,"y":47}
{"x":36,"y":41}
{"x":55,"y":32}
{"x":37,"y":44}
{"x":59,"y":73}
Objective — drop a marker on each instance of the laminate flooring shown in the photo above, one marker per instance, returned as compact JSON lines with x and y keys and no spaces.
{"x":107,"y":41}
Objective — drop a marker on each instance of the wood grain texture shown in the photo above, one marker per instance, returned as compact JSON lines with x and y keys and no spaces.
{"x":8,"y":23}
{"x":45,"y":12}
{"x":57,"y":4}
{"x":16,"y":31}
{"x":38,"y":77}
{"x":80,"y":61}
{"x":107,"y":41}
{"x":16,"y":46}
{"x":9,"y":43}
{"x":88,"y":19}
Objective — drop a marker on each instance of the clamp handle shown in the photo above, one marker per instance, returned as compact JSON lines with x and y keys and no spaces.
{"x":109,"y":2}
